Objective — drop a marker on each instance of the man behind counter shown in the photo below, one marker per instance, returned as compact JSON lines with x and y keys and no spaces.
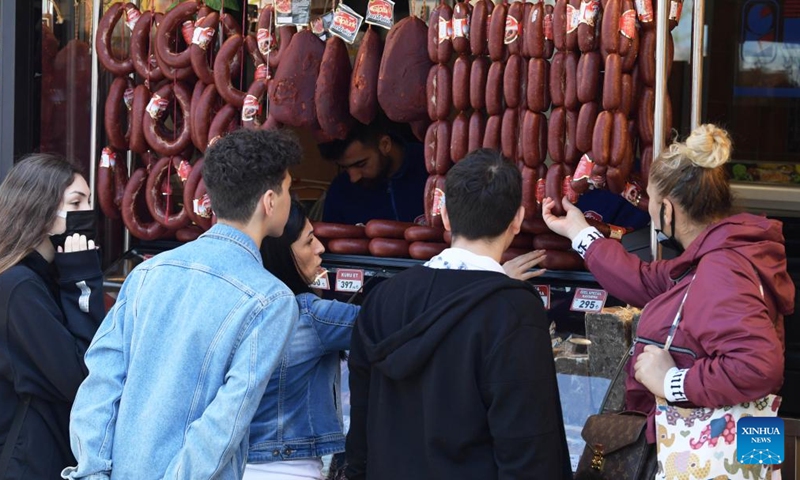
{"x":384,"y":177}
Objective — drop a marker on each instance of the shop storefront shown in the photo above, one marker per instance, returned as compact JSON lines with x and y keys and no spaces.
{"x":54,"y":97}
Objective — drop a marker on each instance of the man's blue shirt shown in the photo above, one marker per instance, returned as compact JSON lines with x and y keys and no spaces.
{"x":398,"y":198}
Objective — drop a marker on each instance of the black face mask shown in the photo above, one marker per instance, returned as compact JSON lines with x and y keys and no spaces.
{"x":668,"y":241}
{"x":81,"y":222}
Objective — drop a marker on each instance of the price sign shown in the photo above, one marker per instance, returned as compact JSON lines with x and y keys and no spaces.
{"x":544,"y":293}
{"x":349,"y":280}
{"x":321,"y":282}
{"x":588,"y":300}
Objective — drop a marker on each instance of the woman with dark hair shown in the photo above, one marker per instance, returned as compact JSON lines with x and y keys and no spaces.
{"x":300,"y":417}
{"x":51,"y":304}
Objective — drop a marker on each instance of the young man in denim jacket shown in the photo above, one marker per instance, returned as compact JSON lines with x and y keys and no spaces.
{"x":179,"y":365}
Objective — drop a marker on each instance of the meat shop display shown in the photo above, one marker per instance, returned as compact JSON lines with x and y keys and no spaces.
{"x":563,"y":88}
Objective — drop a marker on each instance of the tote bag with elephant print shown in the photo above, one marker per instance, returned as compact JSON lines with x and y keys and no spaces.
{"x":700,"y":443}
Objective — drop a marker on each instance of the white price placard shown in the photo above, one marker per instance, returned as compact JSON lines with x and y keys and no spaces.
{"x":321,"y":282}
{"x":349,"y":280}
{"x":544,"y":293}
{"x":588,"y":300}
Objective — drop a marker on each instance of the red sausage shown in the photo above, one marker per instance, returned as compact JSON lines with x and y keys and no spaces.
{"x":388,"y":247}
{"x":422,"y":233}
{"x":349,"y":246}
{"x":338,"y":230}
{"x":425,"y":250}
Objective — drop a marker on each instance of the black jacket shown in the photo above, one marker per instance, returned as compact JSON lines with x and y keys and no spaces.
{"x":44,"y":332}
{"x":452,"y":377}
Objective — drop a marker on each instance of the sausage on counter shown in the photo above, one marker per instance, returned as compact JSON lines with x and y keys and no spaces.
{"x":386,"y":228}
{"x":560,"y":260}
{"x":349,"y":246}
{"x":338,"y":230}
{"x":423,"y":233}
{"x":421,"y":250}
{"x":551,"y":241}
{"x":388,"y":247}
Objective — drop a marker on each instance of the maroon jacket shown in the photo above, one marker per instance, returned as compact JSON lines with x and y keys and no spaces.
{"x":731,"y":336}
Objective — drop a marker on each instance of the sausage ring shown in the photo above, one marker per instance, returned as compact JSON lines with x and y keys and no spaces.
{"x":145,"y":62}
{"x":156,"y":132}
{"x":207,"y":107}
{"x":254,"y":111}
{"x":158,"y":191}
{"x":138,"y":142}
{"x":226,"y":120}
{"x":222,"y":71}
{"x":134,"y":210}
{"x":105,"y":29}
{"x":204,"y":33}
{"x":118,"y":106}
{"x":167,"y":37}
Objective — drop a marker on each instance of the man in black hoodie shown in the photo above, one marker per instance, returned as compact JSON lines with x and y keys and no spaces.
{"x":451,"y":368}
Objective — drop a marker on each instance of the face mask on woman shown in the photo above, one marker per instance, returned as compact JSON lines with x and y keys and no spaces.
{"x":79,"y":221}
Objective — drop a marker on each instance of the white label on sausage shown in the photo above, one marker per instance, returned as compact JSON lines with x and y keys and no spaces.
{"x":264,"y":39}
{"x":127,"y":97}
{"x":108,"y":158}
{"x":445,"y":30}
{"x":202,"y":206}
{"x":589,"y":12}
{"x":203,"y":36}
{"x":461,"y":27}
{"x":156,"y":106}
{"x":250,"y":108}
{"x":675,"y":9}
{"x":644,"y":8}
{"x":573,"y":18}
{"x":438,"y":202}
{"x":512,"y":30}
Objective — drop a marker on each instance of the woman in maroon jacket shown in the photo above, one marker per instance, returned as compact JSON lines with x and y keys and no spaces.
{"x":728,"y":348}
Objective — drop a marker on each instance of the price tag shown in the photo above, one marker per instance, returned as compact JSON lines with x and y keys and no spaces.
{"x":588,"y":300}
{"x":544,"y":293}
{"x":321,"y":282}
{"x":349,"y":280}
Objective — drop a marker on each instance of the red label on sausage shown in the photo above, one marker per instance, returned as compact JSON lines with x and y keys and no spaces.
{"x":262,"y":72}
{"x":187,"y":30}
{"x":250,"y":108}
{"x":512,"y":30}
{"x":264,"y":39}
{"x":568,"y":191}
{"x":589,"y":12}
{"x":461,"y":27}
{"x":632,"y":193}
{"x":540,"y":192}
{"x":548,"y":26}
{"x":627,"y":24}
{"x":380,"y":13}
{"x":584,"y":168}
{"x":184,"y":169}
{"x":644,"y":8}
{"x":108,"y":158}
{"x":573,"y":18}
{"x":203,"y":36}
{"x":132,"y":15}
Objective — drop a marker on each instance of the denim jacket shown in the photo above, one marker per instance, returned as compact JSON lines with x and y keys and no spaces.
{"x":180,"y":363}
{"x":300,"y":415}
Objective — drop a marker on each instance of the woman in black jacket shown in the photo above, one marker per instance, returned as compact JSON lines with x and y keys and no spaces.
{"x":51,"y":303}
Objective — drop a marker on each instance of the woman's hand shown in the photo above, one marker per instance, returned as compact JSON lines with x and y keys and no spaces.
{"x":567,"y":226}
{"x":518,"y":267}
{"x":76,"y":243}
{"x":651,"y":367}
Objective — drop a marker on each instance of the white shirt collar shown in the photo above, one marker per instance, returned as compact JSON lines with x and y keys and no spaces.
{"x":461,"y":259}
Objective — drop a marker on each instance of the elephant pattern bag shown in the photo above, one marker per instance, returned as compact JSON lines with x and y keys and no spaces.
{"x":700,"y":443}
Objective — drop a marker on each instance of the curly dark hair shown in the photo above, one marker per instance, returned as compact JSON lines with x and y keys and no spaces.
{"x":241,"y":166}
{"x":482,"y":193}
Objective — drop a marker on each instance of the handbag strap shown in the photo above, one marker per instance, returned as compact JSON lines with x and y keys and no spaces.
{"x":13,"y":434}
{"x":614,"y":379}
{"x":678,"y":315}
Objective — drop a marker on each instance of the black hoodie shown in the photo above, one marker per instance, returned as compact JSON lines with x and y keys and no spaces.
{"x":452,"y":377}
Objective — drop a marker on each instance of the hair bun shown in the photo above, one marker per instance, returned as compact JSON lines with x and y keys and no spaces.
{"x":708,"y":146}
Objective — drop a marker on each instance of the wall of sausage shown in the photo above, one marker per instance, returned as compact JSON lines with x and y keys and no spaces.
{"x":564,"y":89}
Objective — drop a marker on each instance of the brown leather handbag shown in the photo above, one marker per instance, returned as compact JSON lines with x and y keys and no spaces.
{"x":616,"y":446}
